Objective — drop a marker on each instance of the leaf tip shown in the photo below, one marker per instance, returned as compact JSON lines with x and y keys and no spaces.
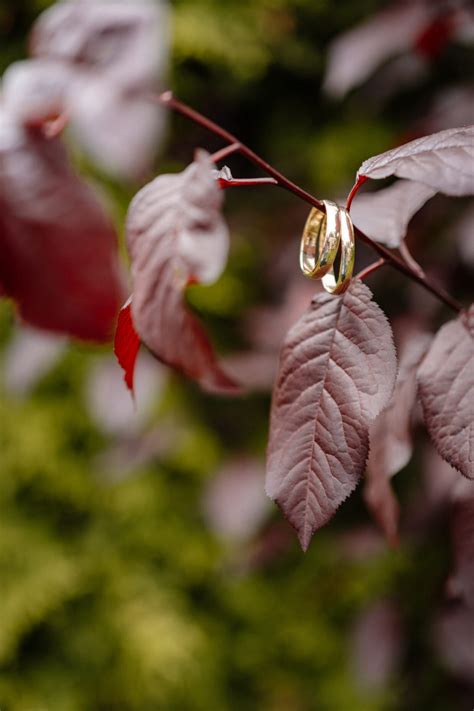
{"x":127,"y":344}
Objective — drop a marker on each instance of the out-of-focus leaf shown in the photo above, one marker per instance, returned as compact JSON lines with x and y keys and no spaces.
{"x":452,"y":107}
{"x":253,"y":369}
{"x":176,"y":235}
{"x":443,"y":161}
{"x":463,"y":234}
{"x":234,"y":502}
{"x":383,"y":504}
{"x":376,"y":644}
{"x":453,"y":635}
{"x":337,"y":372}
{"x":58,"y":247}
{"x":126,"y":42}
{"x":29,"y":355}
{"x":390,"y":436}
{"x":462,"y":528}
{"x":446,"y":388}
{"x":114,"y":52}
{"x":35,"y":92}
{"x":385,"y":214}
{"x":356,"y":54}
{"x":267,"y":326}
{"x":109,"y":404}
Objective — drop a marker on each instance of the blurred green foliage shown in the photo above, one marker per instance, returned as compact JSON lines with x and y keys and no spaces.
{"x":115,"y":595}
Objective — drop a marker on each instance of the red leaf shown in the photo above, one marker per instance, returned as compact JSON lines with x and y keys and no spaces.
{"x":435,"y":36}
{"x":58,"y":248}
{"x":446,"y":388}
{"x":337,"y":372}
{"x":175,"y":233}
{"x":127,"y":343}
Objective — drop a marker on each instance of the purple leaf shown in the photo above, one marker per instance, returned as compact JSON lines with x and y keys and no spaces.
{"x":462,"y":531}
{"x":390,"y":434}
{"x":253,"y":369}
{"x":59,"y":258}
{"x":383,"y":504}
{"x":36,"y":91}
{"x":110,"y":405}
{"x":29,"y":355}
{"x":337,"y":372}
{"x":114,"y":53}
{"x":376,"y":644}
{"x":234,"y":501}
{"x":126,"y":42}
{"x":443,"y":161}
{"x":454,"y":632}
{"x":446,"y":389}
{"x":385,"y":214}
{"x":356,"y":54}
{"x":176,"y":236}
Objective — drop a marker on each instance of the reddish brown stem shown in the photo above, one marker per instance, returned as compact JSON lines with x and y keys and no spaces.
{"x":243,"y":182}
{"x":169,"y":100}
{"x":370,"y":269}
{"x":360,"y":181}
{"x":224,"y":152}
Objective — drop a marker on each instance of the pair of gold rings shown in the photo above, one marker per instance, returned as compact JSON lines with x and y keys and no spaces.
{"x":323,"y":234}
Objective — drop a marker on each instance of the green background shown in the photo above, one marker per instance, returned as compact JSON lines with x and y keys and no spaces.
{"x":116,"y":596}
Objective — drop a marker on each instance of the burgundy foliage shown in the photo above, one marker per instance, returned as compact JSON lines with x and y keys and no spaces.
{"x":462,"y":526}
{"x":446,"y":388}
{"x":176,"y":236}
{"x":337,"y":373}
{"x":443,"y":161}
{"x":59,"y":253}
{"x":390,"y":435}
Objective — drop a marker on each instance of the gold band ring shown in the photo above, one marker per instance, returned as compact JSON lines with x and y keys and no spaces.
{"x":346,"y":266}
{"x":322,"y":236}
{"x":320,"y":241}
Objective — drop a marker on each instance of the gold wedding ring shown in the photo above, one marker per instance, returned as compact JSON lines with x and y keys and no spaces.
{"x":323,"y":234}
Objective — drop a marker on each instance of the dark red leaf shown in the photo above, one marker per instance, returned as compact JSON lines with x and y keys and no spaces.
{"x":435,"y":36}
{"x":446,"y":388}
{"x":58,"y":247}
{"x":127,"y":343}
{"x":175,"y":235}
{"x":337,"y":372}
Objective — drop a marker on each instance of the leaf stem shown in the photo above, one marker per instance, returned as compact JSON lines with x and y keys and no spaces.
{"x":167,"y":99}
{"x":243,"y":182}
{"x":371,"y":268}
{"x":410,"y":259}
{"x":226,"y":151}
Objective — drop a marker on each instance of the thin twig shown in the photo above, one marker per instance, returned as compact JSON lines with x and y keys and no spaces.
{"x":226,"y":151}
{"x":371,"y":268}
{"x":167,"y":99}
{"x":244,"y":182}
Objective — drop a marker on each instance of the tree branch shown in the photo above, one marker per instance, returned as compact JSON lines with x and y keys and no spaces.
{"x":167,"y":99}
